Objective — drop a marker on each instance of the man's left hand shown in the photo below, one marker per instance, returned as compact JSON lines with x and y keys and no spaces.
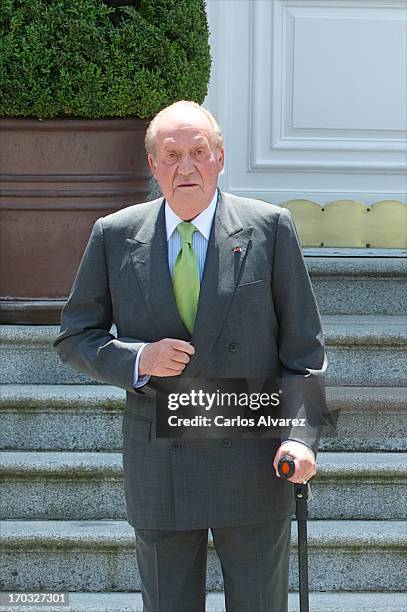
{"x":304,"y":460}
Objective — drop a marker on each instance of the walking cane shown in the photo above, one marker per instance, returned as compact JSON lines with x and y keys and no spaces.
{"x":286,"y":468}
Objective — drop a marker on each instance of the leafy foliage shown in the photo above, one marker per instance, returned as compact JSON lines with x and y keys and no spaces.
{"x":94,"y":58}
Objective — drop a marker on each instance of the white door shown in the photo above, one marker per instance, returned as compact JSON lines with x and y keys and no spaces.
{"x":311,"y":95}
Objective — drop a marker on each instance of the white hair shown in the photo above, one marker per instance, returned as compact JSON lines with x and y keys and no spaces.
{"x":152,"y":129}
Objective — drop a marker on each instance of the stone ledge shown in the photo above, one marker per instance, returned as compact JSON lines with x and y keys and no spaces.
{"x":356,"y":328}
{"x":89,"y":417}
{"x":104,"y":397}
{"x":100,"y":556}
{"x":115,"y":534}
{"x":77,"y":486}
{"x":386,"y":267}
{"x":365,"y":330}
{"x":215,"y":602}
{"x":332,"y":466}
{"x":50,"y":398}
{"x":359,"y":330}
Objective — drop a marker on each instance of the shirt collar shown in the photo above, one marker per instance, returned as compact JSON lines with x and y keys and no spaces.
{"x":203,"y":222}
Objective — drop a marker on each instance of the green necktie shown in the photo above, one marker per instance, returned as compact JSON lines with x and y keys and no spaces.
{"x":185,"y":277}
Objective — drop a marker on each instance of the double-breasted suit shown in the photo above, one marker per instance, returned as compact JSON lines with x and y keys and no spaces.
{"x":257,"y":317}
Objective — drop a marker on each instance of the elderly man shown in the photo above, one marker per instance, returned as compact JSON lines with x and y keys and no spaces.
{"x":200,"y":284}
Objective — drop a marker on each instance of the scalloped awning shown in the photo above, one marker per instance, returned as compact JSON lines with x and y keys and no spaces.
{"x":348,"y":223}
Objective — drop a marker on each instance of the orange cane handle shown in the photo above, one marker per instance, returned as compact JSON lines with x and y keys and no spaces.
{"x":286,"y":466}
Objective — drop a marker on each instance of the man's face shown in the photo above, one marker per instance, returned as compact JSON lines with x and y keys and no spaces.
{"x":186,"y":161}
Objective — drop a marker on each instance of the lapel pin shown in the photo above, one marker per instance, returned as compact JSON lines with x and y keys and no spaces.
{"x":237,"y":249}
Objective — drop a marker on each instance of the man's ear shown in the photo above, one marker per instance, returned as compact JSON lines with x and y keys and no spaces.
{"x":151,"y":163}
{"x":221,"y":159}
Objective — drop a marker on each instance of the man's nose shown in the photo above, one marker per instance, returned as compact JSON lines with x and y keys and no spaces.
{"x":185,"y":165}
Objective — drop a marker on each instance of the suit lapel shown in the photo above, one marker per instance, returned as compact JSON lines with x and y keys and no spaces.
{"x":149,"y":254}
{"x":228,"y":246}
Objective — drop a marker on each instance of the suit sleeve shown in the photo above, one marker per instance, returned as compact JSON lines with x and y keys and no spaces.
{"x":301,"y":344}
{"x":86,"y":342}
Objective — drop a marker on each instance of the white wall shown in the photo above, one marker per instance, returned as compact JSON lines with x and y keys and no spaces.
{"x":312,"y":97}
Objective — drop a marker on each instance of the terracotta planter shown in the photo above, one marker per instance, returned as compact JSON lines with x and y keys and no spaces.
{"x":57,"y":178}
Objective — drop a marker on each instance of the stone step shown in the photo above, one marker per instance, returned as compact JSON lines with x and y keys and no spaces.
{"x":362,"y":350}
{"x":100,"y":556}
{"x":89,"y":417}
{"x":27,"y":357}
{"x":132,"y":602}
{"x":366,"y":350}
{"x":370,"y":418}
{"x":359,"y":285}
{"x":61,"y":417}
{"x":73,"y":486}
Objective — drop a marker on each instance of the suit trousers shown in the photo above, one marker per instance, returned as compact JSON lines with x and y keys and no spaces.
{"x":254,"y":561}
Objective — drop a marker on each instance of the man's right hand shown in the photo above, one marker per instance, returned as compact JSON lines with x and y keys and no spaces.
{"x":167,"y":357}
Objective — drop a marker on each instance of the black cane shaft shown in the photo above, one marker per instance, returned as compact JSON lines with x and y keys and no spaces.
{"x":301,"y":511}
{"x":286,"y":469}
{"x":303,"y":565}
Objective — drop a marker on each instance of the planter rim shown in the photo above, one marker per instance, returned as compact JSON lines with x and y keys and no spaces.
{"x":8,"y":123}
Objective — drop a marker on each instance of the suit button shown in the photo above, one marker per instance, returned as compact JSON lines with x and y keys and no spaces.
{"x":233,"y":347}
{"x":176,"y":445}
{"x":227,"y":442}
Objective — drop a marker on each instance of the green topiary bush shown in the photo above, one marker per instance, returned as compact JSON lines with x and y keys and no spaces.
{"x":94,"y":58}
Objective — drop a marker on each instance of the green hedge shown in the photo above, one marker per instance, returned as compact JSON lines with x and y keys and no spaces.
{"x":92,"y":59}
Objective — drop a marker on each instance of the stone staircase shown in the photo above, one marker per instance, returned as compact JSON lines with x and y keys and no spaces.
{"x":61,"y":495}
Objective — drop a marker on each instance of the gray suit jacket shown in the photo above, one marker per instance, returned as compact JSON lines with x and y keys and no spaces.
{"x":257,"y":317}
